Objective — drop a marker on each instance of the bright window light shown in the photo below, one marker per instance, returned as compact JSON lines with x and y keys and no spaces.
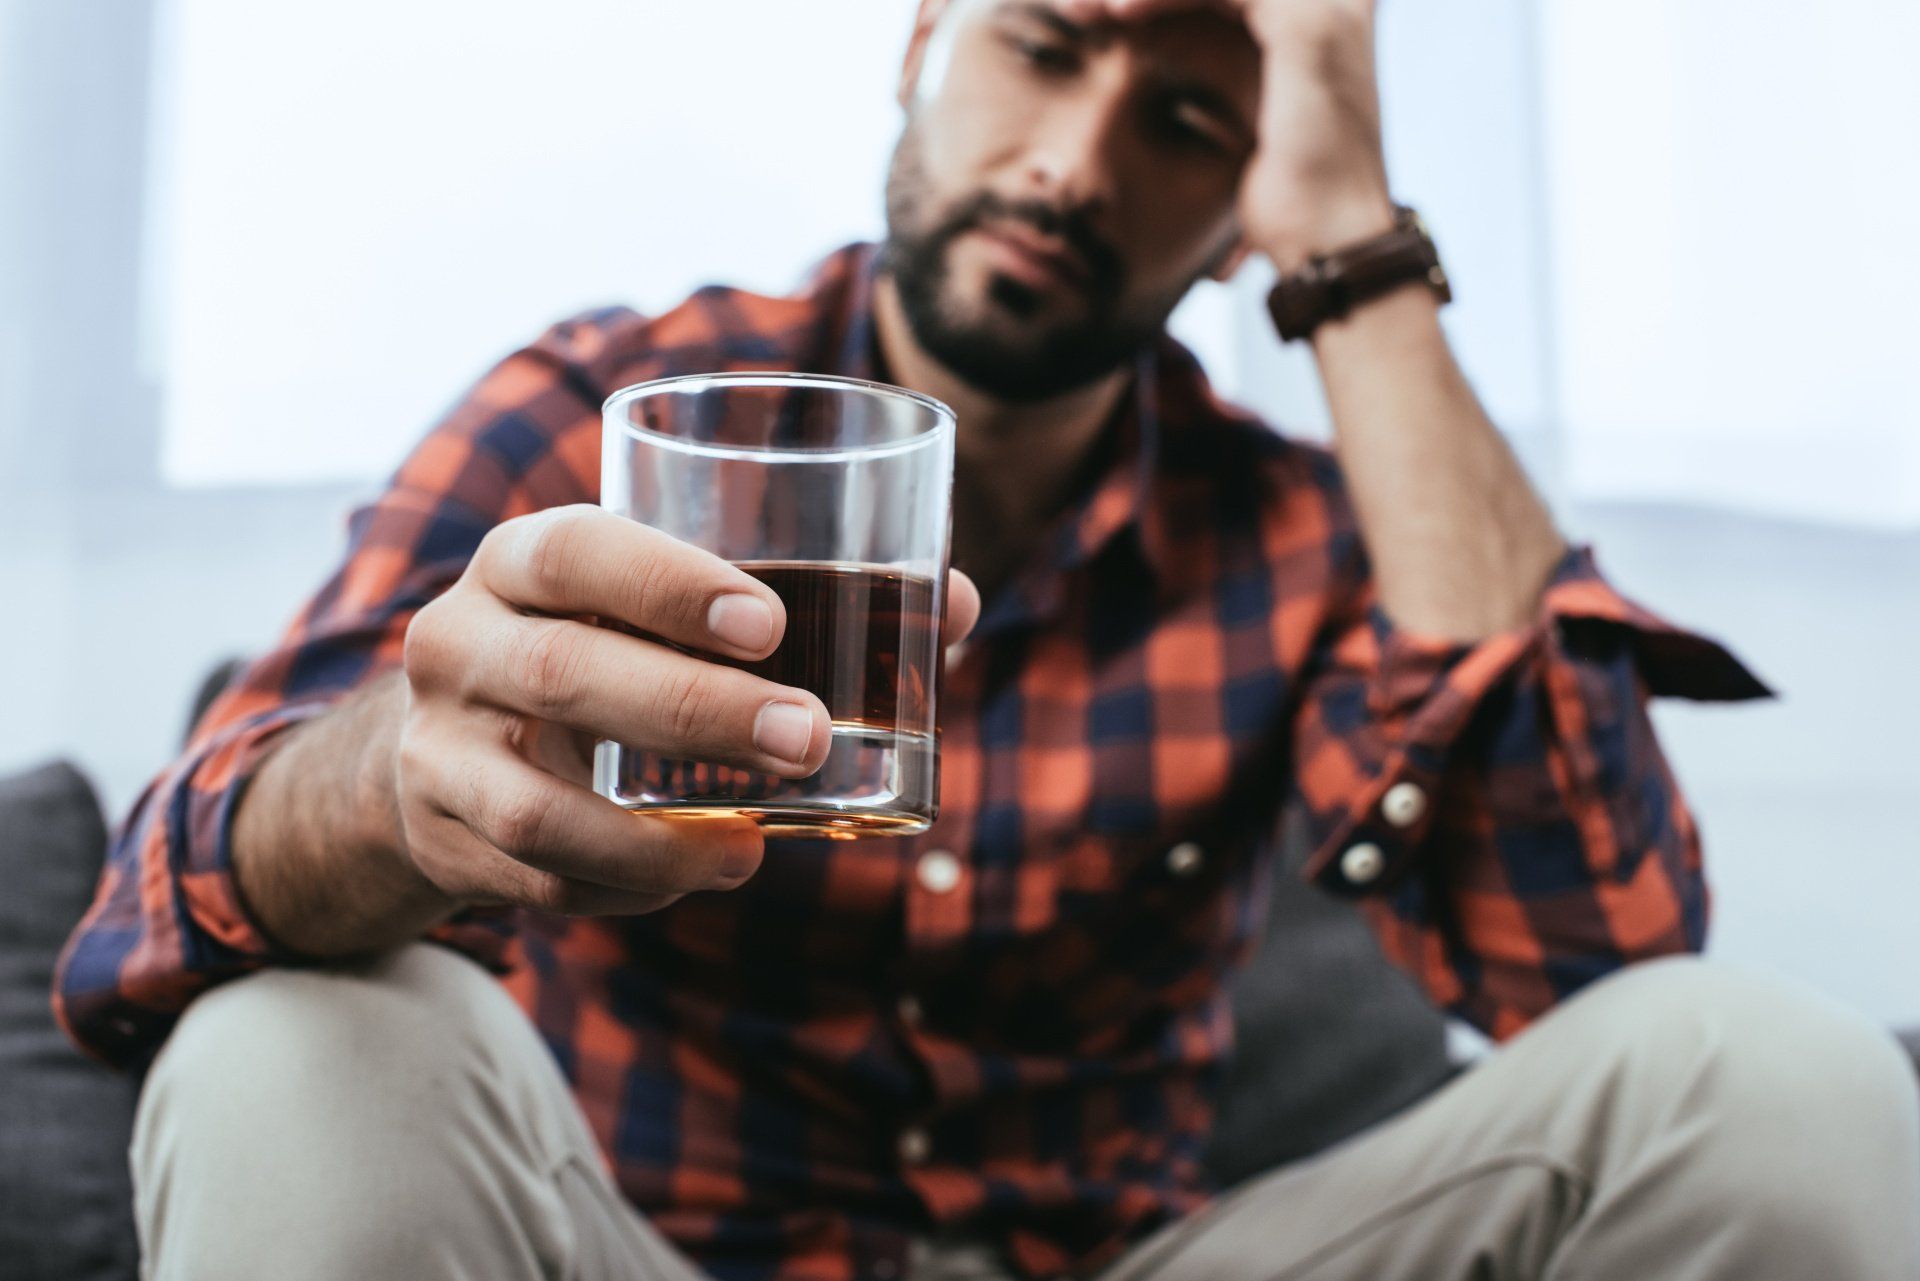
{"x":359,"y":205}
{"x":1733,"y":187}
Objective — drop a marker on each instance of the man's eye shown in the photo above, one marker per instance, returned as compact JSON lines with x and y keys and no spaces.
{"x":1054,"y":59}
{"x":1181,"y":124}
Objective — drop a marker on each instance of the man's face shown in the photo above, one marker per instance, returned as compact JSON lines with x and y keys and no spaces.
{"x":1060,"y":186}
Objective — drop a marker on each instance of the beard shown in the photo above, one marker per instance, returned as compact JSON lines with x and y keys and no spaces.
{"x":1001,"y":344}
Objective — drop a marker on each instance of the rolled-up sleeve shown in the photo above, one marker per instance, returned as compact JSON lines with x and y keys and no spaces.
{"x":167,"y":920}
{"x":1503,"y":810}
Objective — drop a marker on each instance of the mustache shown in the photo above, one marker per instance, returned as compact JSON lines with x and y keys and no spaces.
{"x":1105,"y":269}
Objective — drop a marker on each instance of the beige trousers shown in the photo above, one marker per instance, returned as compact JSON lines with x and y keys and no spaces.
{"x":1681,"y":1121}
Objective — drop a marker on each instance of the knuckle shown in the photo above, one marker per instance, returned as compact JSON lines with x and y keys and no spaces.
{"x":422,"y":648}
{"x":494,"y":546}
{"x":657,"y":583}
{"x":638,"y":580}
{"x":519,"y":818}
{"x":464,"y":783}
{"x":547,"y":892}
{"x":687,"y":707}
{"x":550,"y":661}
{"x":413,"y":761}
{"x":438,"y":649}
{"x":552,"y":547}
{"x":500,"y":540}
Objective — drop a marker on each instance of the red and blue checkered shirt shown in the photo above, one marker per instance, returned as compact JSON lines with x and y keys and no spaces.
{"x":861,"y":1046}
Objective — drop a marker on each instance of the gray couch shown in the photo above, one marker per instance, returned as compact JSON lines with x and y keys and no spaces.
{"x":64,"y":1195}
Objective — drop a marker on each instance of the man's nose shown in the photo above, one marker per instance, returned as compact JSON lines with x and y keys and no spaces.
{"x":1074,"y":157}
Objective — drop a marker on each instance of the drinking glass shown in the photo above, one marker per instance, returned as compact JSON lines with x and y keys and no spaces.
{"x":837,"y":494}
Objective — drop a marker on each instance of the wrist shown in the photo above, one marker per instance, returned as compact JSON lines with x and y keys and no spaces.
{"x":1330,"y":226}
{"x":1330,"y":286}
{"x":1403,"y":323}
{"x":315,"y":864}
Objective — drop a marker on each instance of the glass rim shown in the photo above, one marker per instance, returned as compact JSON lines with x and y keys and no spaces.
{"x":942,"y":422}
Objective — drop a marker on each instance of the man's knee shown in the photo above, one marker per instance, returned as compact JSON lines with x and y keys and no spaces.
{"x":294,"y":1107}
{"x":1764,"y":1105}
{"x":286,"y":1044}
{"x":1775,"y":1033}
{"x":1776,"y":1070}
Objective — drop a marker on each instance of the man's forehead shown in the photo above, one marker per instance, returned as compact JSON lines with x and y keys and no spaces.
{"x":1200,"y":20}
{"x":1201,"y":42}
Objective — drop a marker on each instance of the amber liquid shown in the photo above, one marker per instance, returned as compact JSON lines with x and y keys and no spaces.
{"x":861,"y":639}
{"x":866,"y":641}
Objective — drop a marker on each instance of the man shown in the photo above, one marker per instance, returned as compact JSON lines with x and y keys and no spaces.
{"x":987,"y":1051}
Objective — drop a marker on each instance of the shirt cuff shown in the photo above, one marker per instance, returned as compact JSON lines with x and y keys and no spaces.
{"x":1428,"y":690}
{"x":217,"y":931}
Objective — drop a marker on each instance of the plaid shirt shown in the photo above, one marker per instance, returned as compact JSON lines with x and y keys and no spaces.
{"x":1010,"y":1025}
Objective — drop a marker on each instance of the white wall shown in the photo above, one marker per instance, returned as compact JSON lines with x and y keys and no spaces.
{"x":607,"y":151}
{"x":74,"y":414}
{"x":1676,"y":227}
{"x":1733,"y":194}
{"x":359,"y":205}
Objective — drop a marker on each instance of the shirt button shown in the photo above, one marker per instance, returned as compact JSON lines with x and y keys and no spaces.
{"x":938,"y":871}
{"x":914,"y":1146}
{"x":910,"y":1011}
{"x":1362,"y":863}
{"x":1403,"y":804}
{"x":1185,"y":858}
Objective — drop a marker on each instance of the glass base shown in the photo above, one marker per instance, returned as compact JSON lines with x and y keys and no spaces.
{"x":874,"y":783}
{"x":793,"y":821}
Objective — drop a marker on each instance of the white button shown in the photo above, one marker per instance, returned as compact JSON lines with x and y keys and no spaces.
{"x":914,"y":1146}
{"x":910,"y":1011}
{"x":1362,"y":863}
{"x":1185,"y":858}
{"x":1403,"y":804}
{"x":939,"y":871}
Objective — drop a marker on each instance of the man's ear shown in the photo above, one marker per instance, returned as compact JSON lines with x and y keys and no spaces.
{"x":1230,"y":259}
{"x":915,"y":65}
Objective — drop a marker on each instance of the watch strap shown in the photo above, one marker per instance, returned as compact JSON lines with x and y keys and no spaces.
{"x":1329,"y":286}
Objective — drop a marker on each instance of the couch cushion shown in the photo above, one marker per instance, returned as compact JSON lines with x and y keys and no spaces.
{"x":64,"y":1192}
{"x":1910,"y":1042}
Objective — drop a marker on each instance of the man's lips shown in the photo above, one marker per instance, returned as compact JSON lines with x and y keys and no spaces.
{"x":1037,"y":260}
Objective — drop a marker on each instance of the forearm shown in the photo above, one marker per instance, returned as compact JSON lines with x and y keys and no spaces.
{"x":318,"y":854}
{"x":1460,"y":541}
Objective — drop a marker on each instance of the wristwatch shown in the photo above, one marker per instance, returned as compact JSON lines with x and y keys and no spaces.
{"x":1331,"y":285}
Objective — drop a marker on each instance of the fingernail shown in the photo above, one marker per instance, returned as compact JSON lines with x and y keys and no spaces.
{"x":740,"y":620}
{"x":784,"y":730}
